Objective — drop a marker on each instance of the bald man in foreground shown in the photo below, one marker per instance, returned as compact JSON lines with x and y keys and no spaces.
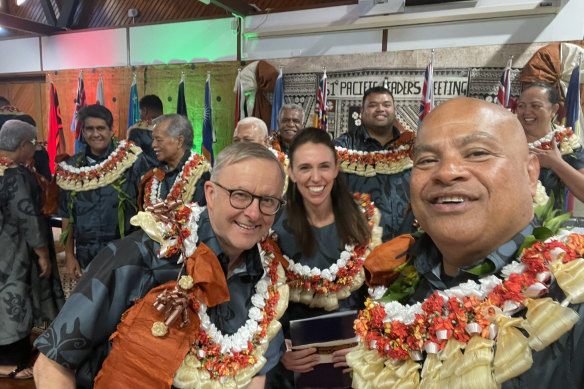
{"x":472,"y":186}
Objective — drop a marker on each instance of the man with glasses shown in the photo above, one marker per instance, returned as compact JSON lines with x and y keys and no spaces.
{"x":98,"y":189}
{"x":243,"y":195}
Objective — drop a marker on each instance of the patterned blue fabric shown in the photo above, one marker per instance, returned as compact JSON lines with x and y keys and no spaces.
{"x":166,"y":184}
{"x":390,"y":192}
{"x":95,"y":212}
{"x":560,"y":365}
{"x":124,"y":271}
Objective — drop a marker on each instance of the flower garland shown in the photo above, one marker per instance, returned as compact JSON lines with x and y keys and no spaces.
{"x":369,"y":164}
{"x":394,"y":336}
{"x":323,"y":288}
{"x":99,"y":175}
{"x":566,"y":140}
{"x":5,"y":163}
{"x":216,"y":358}
{"x":184,"y":184}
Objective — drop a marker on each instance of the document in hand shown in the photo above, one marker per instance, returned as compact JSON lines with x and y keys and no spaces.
{"x":327,"y":333}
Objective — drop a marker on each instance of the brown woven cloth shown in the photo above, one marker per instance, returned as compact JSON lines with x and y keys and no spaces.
{"x":381,"y":263}
{"x":266,"y":76}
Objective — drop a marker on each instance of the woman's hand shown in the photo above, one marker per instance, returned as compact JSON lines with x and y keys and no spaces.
{"x":300,"y":361}
{"x":548,"y":158}
{"x":340,"y":359}
{"x":45,"y":265}
{"x":73,"y":268}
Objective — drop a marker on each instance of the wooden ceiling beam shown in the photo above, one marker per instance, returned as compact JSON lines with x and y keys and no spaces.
{"x":238,"y":7}
{"x":67,"y":13}
{"x":16,"y":23}
{"x":49,"y":12}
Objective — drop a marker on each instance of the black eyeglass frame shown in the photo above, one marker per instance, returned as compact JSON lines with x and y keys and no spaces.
{"x":281,"y":202}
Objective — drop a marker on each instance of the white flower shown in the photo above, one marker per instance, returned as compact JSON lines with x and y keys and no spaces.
{"x":186,"y":282}
{"x":327,"y":275}
{"x":315,"y":271}
{"x":159,"y":329}
{"x":255,"y":314}
{"x":514,"y":267}
{"x":377,"y":292}
{"x":258,"y":301}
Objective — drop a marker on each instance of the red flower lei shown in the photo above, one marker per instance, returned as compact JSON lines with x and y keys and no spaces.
{"x":5,"y":163}
{"x":151,"y":187}
{"x":367,"y":163}
{"x":457,"y":317}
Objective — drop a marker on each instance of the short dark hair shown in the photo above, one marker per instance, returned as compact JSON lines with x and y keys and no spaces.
{"x":4,"y":101}
{"x":352,"y":226}
{"x":551,"y":91}
{"x":96,"y":111}
{"x":26,"y":118}
{"x":151,"y":102}
{"x":377,"y":90}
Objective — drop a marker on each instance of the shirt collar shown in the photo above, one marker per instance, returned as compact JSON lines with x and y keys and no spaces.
{"x":428,"y":260}
{"x":92,"y":159}
{"x":368,"y":138}
{"x":179,"y":166}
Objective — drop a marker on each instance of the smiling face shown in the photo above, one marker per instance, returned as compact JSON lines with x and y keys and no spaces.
{"x":289,"y":123}
{"x":167,"y":148}
{"x":250,"y":132}
{"x":97,"y":135}
{"x":535,"y":112}
{"x":314,"y":170}
{"x":378,"y":112}
{"x":473,"y":179}
{"x":240,"y":229}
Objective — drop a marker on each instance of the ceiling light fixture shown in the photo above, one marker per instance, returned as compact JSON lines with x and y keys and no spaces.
{"x":20,"y":2}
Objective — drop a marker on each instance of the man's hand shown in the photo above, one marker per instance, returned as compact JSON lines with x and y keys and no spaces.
{"x":48,"y":374}
{"x":340,"y":359}
{"x":45,"y":265}
{"x":300,"y":361}
{"x":72,"y":266}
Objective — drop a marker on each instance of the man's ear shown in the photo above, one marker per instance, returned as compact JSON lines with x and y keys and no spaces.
{"x":181,"y":141}
{"x":533,"y":173}
{"x":209,"y":194}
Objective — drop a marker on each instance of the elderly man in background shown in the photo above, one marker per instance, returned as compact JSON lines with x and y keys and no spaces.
{"x":251,"y":129}
{"x":235,"y":285}
{"x":99,"y":187}
{"x":182,"y":172}
{"x":387,"y":179}
{"x":290,"y":121}
{"x":480,"y":262}
{"x":26,"y":284}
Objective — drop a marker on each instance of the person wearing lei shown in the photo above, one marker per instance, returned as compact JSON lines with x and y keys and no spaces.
{"x":325,"y":233}
{"x":487,"y":297}
{"x":98,"y":189}
{"x":204,"y":287}
{"x":30,"y":289}
{"x":182,"y":173}
{"x":376,"y":159}
{"x":558,"y":149}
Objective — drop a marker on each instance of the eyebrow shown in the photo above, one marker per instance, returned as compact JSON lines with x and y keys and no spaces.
{"x":480,"y":136}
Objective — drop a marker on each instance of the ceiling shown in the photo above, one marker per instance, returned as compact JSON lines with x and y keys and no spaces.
{"x":46,"y":17}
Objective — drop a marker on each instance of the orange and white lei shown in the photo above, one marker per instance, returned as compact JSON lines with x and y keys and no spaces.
{"x":369,"y":164}
{"x":566,"y":140}
{"x":217,"y":359}
{"x":474,"y":317}
{"x":184,"y":185}
{"x":5,"y":163}
{"x":99,"y":175}
{"x":323,"y":288}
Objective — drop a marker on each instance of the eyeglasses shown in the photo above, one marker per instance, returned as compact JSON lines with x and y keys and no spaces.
{"x":241,"y":199}
{"x":33,"y":142}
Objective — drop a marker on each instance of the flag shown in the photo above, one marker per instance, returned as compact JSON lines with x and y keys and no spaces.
{"x":278,"y":102}
{"x":320,"y":108}
{"x":134,"y":107}
{"x":99,"y":99}
{"x":80,"y":102}
{"x":208,"y":131}
{"x":572,"y":105}
{"x":55,"y":141}
{"x":504,"y":94}
{"x":240,"y":111}
{"x":427,"y":101}
{"x":181,"y":104}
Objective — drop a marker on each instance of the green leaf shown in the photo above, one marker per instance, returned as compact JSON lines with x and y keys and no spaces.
{"x":555,"y":223}
{"x":542,"y":233}
{"x":543,"y":211}
{"x":484,"y":268}
{"x":528,"y":242}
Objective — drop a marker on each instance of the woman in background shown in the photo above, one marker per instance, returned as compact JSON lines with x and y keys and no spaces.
{"x":558,"y":149}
